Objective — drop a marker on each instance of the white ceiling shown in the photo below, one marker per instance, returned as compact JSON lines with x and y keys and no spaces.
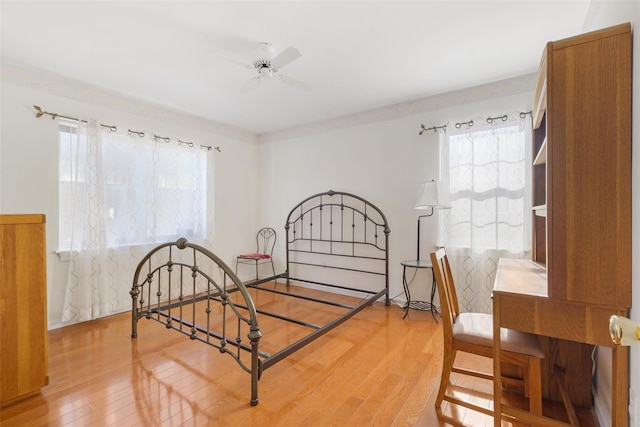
{"x":357,"y":55}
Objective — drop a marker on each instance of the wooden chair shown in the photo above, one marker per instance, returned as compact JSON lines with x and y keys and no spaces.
{"x":265,"y":242}
{"x":473,"y":333}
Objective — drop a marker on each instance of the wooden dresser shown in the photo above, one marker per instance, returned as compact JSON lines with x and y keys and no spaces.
{"x":581,"y":269}
{"x":23,"y":307}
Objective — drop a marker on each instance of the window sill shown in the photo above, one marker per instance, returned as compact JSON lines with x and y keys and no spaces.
{"x":64,"y":256}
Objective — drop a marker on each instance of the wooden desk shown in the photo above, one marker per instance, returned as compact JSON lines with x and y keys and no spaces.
{"x":520,"y":301}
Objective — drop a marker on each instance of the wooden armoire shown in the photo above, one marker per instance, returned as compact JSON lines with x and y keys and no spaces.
{"x":582,"y":196}
{"x":23,"y":307}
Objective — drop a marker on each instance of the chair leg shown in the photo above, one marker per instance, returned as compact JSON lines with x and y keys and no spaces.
{"x":447,"y":364}
{"x":236,"y":266}
{"x":535,"y":385}
{"x":273,"y":268}
{"x":256,"y":269}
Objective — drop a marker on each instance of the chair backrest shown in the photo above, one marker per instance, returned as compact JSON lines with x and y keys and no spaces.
{"x":266,"y":240}
{"x":446,"y":290}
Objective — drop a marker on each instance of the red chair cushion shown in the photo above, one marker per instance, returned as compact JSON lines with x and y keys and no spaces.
{"x":254,"y":256}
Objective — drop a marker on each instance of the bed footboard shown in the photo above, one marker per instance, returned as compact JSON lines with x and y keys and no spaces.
{"x":189,"y":289}
{"x":336,"y":241}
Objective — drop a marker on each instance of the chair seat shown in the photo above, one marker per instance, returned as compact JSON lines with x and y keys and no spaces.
{"x":477,"y":328}
{"x":255,"y":256}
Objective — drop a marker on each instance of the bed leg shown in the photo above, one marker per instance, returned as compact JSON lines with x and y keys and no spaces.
{"x":134,"y":311}
{"x":254,"y":337}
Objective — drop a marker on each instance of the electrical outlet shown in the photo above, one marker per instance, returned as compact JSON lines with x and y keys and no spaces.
{"x":633,"y":408}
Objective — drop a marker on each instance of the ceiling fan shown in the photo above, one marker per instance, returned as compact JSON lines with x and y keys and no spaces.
{"x":269,"y":66}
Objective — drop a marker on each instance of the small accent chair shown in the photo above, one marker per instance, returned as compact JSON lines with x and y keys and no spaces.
{"x":265,"y":242}
{"x":473,"y":333}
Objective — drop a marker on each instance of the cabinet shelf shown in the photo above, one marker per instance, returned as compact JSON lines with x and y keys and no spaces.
{"x":541,"y":157}
{"x":540,"y":210}
{"x":540,"y":99}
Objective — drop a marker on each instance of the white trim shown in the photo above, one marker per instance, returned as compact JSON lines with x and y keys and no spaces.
{"x":603,"y":413}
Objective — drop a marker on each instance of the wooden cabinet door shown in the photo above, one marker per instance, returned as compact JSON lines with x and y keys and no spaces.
{"x":589,"y":168}
{"x":23,"y":307}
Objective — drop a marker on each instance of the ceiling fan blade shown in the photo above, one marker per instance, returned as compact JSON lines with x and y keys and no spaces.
{"x":250,"y":85}
{"x":286,"y":56}
{"x":295,"y":83}
{"x":235,"y":62}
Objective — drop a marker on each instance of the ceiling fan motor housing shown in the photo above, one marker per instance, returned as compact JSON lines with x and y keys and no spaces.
{"x":262,"y":62}
{"x":264,"y":67}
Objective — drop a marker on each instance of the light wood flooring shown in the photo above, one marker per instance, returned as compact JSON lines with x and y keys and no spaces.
{"x":374,"y":370}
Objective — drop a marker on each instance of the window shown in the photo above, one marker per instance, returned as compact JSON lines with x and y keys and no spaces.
{"x":487,"y":167}
{"x":488,"y":181}
{"x":134,"y":190}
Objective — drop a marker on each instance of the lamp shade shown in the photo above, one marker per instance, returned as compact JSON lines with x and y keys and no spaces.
{"x":433,"y":195}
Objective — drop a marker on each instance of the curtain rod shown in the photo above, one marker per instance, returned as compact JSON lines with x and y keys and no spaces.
{"x":112,"y":128}
{"x":490,"y":120}
{"x":433,"y":128}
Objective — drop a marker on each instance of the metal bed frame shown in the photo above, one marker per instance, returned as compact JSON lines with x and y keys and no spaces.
{"x":332,"y":236}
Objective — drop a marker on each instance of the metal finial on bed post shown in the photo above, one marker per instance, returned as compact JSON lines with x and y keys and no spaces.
{"x":181,"y":243}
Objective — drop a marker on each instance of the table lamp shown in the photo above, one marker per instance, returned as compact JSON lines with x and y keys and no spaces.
{"x":433,"y":196}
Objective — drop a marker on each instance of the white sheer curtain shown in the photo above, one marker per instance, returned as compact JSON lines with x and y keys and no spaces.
{"x":121,"y":195}
{"x":487,"y":168}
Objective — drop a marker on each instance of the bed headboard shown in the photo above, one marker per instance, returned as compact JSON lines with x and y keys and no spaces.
{"x":338,"y":240}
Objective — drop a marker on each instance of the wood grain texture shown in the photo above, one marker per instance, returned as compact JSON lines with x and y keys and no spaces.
{"x":589,"y":187}
{"x":585,"y":240}
{"x":529,"y":363}
{"x":375,"y":369}
{"x":568,"y":329}
{"x":23,"y":306}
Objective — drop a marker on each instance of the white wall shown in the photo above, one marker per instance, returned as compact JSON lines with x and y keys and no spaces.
{"x":604,"y":14}
{"x":256,"y":185}
{"x":29,"y":169}
{"x":383,"y":161}
{"x":381,"y":158}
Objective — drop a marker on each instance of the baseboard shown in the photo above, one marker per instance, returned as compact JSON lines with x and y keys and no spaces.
{"x":603,"y":412}
{"x":57,"y":325}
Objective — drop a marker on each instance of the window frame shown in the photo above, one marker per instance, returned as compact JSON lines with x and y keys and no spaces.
{"x":199,"y":188}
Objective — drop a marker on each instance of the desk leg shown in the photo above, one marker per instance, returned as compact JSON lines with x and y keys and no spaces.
{"x":497,"y":373}
{"x":620,"y":386}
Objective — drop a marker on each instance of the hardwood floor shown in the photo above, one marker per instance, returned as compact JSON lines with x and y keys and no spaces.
{"x":376,"y":369}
